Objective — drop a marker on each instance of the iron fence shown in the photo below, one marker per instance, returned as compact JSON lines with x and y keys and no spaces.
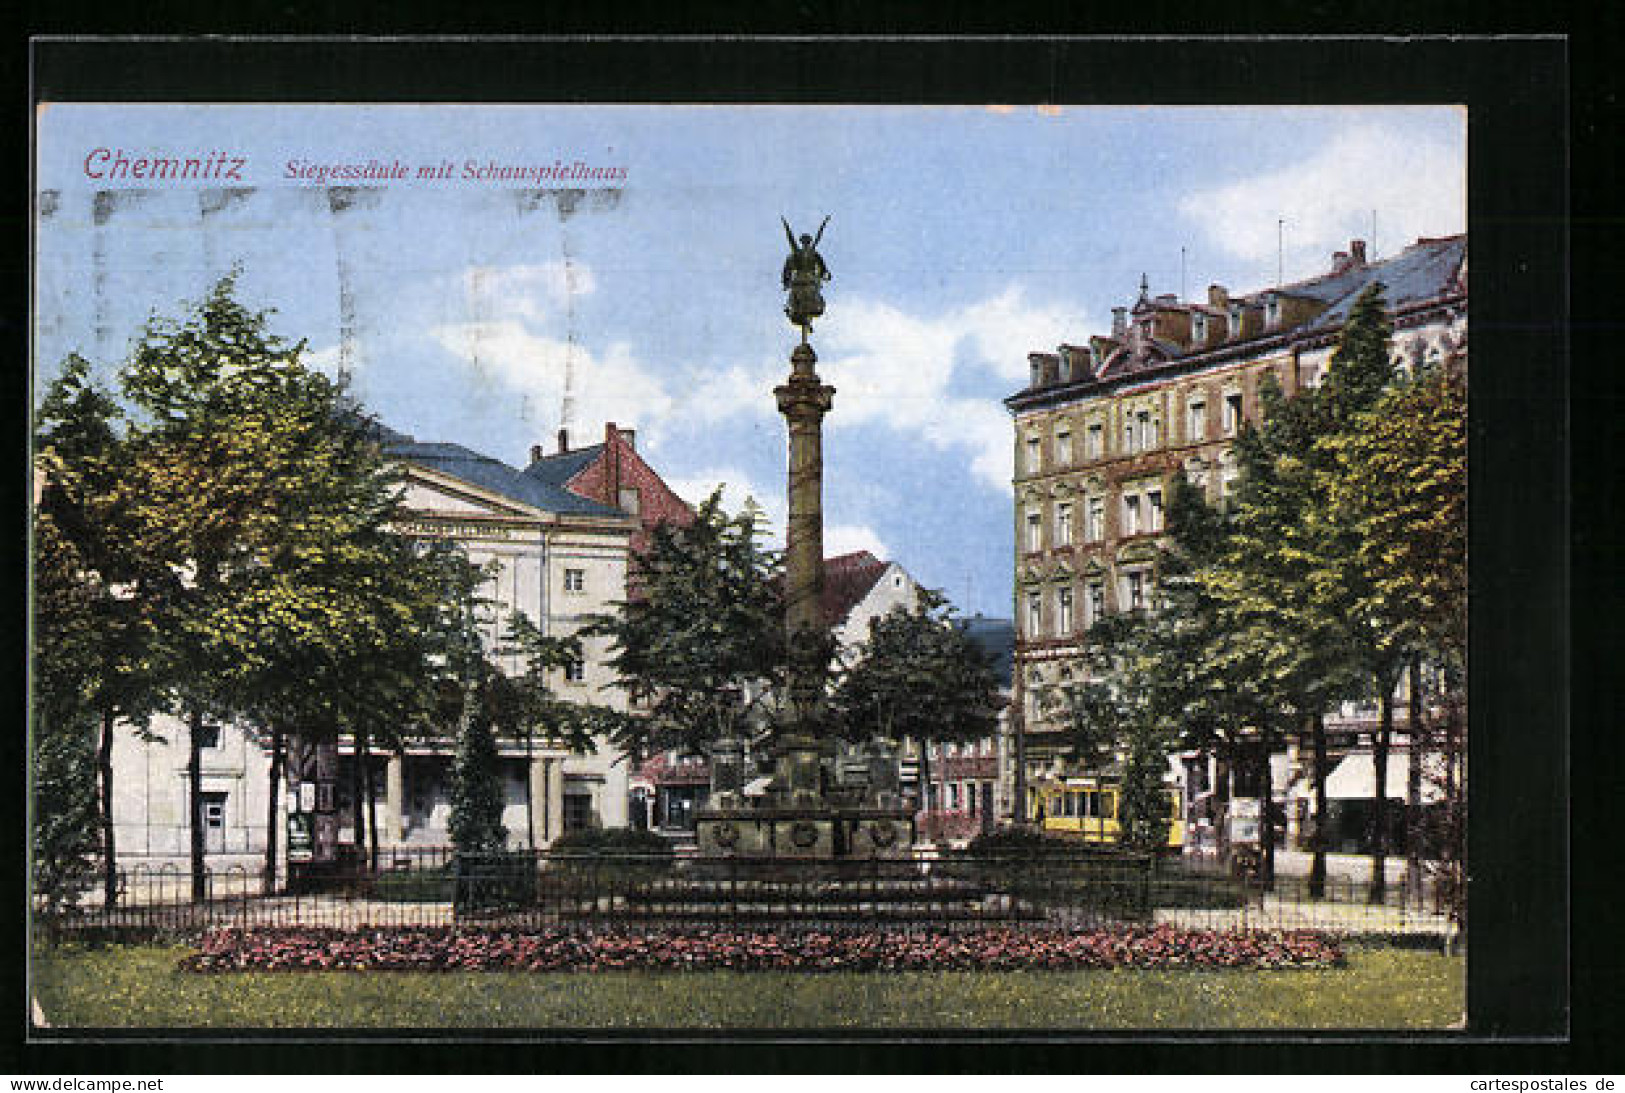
{"x":434,"y":887}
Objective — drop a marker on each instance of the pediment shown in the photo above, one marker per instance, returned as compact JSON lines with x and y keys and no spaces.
{"x":429,"y":493}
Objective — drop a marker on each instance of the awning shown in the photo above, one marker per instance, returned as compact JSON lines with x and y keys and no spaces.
{"x":1355,"y":778}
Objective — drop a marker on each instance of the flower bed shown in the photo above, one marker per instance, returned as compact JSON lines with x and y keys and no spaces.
{"x":812,"y":951}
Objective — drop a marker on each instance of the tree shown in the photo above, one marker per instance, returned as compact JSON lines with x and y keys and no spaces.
{"x":91,"y":567}
{"x":1397,"y":480}
{"x":242,"y":477}
{"x":920,"y":677}
{"x":702,"y":644}
{"x":65,"y":828}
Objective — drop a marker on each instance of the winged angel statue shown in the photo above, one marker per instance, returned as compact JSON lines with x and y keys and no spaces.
{"x":804,"y":274}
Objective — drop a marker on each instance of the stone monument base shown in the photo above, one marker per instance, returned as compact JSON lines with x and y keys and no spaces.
{"x":808,"y":833}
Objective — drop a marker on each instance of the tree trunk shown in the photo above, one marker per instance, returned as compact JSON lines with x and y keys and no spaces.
{"x":1379,"y":794}
{"x":367,"y":780}
{"x":1317,"y":866}
{"x":925,"y":780}
{"x":358,"y":804}
{"x":104,"y":771}
{"x":1413,"y":787}
{"x":273,"y":798}
{"x":194,"y":786}
{"x":1266,"y":807}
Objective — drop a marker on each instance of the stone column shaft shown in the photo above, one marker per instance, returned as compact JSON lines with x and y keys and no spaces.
{"x":804,"y":401}
{"x":394,"y":798}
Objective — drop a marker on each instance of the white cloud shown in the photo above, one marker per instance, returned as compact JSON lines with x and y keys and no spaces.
{"x":850,"y":538}
{"x":1416,"y":185}
{"x":907,"y":370}
{"x":737,"y":487}
{"x":529,"y":291}
{"x":608,"y":386}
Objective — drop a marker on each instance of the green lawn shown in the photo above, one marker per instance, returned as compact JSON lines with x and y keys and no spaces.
{"x":140,"y":986}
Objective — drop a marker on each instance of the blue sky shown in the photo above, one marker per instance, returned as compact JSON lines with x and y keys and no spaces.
{"x":960,"y":240}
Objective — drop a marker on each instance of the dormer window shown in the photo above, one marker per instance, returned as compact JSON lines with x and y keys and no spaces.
{"x":1199,"y":329}
{"x":1235,"y":320}
{"x":1272,"y":311}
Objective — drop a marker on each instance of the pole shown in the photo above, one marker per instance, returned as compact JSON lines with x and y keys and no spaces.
{"x":804,"y":400}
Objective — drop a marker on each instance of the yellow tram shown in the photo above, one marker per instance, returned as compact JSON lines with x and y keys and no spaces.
{"x":1086,"y":808}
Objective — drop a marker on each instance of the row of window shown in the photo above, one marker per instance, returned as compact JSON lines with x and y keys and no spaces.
{"x":1142,"y":514}
{"x":1057,"y":613}
{"x":1142,"y":431}
{"x":970,"y":797}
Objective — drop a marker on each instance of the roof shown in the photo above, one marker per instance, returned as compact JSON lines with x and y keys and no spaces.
{"x":997,"y":639}
{"x":848,"y":578}
{"x":491,"y":474}
{"x":559,"y":468}
{"x":1424,"y":271}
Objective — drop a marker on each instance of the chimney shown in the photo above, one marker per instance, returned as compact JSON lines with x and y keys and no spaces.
{"x":1119,"y":322}
{"x":564,"y":440}
{"x":535,"y":453}
{"x":1218,"y":296}
{"x":1357,"y":248}
{"x":1340,"y":261}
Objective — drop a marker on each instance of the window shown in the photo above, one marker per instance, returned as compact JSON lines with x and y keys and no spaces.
{"x":1095,"y":603}
{"x":575,"y":580}
{"x":970,"y":797}
{"x":1094,"y":441}
{"x":1129,"y":439}
{"x":1153,"y":501}
{"x":578,"y":814}
{"x":953,"y":796}
{"x":1063,"y":448}
{"x":1095,"y":520}
{"x":1199,"y":328}
{"x":1272,"y":311}
{"x":1227,"y":483}
{"x":1063,"y":611}
{"x":1196,"y":422}
{"x":214,"y":811}
{"x":1134,"y":590}
{"x":631,"y":501}
{"x":575,"y":671}
{"x":1063,"y":524}
{"x":1035,"y":531}
{"x":209,"y":736}
{"x":1035,"y":614}
{"x":1232,"y":413}
{"x":1146,"y":428}
{"x":1131,"y":516}
{"x":1035,"y":455}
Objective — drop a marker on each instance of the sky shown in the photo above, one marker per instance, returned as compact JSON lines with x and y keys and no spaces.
{"x":490,"y":311}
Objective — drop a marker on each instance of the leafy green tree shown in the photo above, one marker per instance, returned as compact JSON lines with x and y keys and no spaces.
{"x":65,"y":828}
{"x":702,"y":644}
{"x":1397,"y":480}
{"x":234,"y":478}
{"x":921,"y":677}
{"x":89,"y":550}
{"x":476,"y":789}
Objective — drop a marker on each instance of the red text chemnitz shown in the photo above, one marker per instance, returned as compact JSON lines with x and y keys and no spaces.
{"x":104,"y":163}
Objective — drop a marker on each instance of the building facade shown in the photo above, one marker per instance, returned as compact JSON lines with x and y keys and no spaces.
{"x":558,"y":557}
{"x":1102,"y":428}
